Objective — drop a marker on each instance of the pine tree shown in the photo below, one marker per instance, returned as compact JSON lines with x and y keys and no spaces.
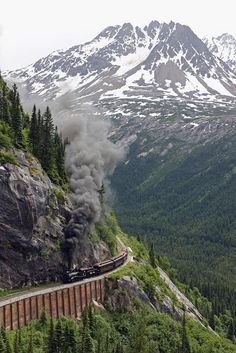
{"x":60,"y":156}
{"x":38,"y":146}
{"x":87,"y":345}
{"x":185,"y":342}
{"x":91,"y":320}
{"x":47,"y":142}
{"x":50,"y":348}
{"x":99,"y":346}
{"x":33,"y":138}
{"x":16,"y":343}
{"x":2,"y":345}
{"x":72,"y":339}
{"x":16,"y":118}
{"x":8,"y":346}
{"x":107,"y":344}
{"x":152,"y":257}
{"x":59,"y":337}
{"x":212,"y":320}
{"x":4,"y":105}
{"x":30,"y":345}
{"x":43,"y":319}
{"x":4,"y":334}
{"x":231,"y":330}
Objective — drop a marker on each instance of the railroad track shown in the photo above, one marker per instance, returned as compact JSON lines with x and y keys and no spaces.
{"x":18,"y":309}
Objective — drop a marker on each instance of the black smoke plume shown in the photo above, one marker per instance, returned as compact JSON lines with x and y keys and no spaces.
{"x":90,"y":159}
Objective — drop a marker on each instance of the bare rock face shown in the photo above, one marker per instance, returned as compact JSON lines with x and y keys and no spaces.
{"x":121,"y":295}
{"x":31,"y":225}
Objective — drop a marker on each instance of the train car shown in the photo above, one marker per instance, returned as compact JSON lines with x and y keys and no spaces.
{"x":104,"y":266}
{"x":73,"y":276}
{"x":96,"y":269}
{"x":90,"y":271}
{"x":119,"y":260}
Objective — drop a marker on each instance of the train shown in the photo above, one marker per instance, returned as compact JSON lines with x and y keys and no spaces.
{"x":97,"y":269}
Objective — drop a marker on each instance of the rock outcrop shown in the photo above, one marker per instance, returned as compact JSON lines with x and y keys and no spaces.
{"x":31,"y":224}
{"x":33,"y":213}
{"x":122,"y":293}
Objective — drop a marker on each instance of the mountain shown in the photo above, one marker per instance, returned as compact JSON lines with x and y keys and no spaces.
{"x":172,"y":104}
{"x":224,"y":47}
{"x":159,"y":60}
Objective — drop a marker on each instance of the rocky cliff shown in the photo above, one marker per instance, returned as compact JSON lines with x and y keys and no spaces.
{"x":33,"y":212}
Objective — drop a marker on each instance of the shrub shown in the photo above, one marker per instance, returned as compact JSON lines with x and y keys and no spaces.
{"x":8,"y":157}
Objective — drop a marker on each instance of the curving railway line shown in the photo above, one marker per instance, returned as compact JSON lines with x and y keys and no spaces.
{"x":70,"y":299}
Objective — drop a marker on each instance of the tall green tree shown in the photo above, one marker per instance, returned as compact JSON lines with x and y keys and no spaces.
{"x":47,"y":142}
{"x":50,"y":345}
{"x":185,"y":346}
{"x":4,"y":105}
{"x":30,"y":345}
{"x":33,"y":133}
{"x":152,"y":257}
{"x":2,"y":345}
{"x":231,"y":330}
{"x":16,"y":117}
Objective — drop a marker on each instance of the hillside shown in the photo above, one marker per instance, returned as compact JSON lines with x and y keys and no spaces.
{"x":185,"y":206}
{"x":141,"y":312}
{"x":171,"y":99}
{"x":35,"y":203}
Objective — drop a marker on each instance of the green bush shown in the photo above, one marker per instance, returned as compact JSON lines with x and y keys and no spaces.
{"x":61,"y":199}
{"x":7,"y":157}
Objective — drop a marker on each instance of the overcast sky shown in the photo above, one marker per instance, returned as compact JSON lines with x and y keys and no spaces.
{"x":31,"y":29}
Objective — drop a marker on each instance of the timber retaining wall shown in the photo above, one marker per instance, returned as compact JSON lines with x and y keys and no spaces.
{"x":70,"y":300}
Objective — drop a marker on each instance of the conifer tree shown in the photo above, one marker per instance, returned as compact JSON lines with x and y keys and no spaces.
{"x":43,"y":319}
{"x":8,"y":346}
{"x":71,"y":339}
{"x":91,"y":319}
{"x":212,"y":320}
{"x":152,"y":257}
{"x":231,"y":330}
{"x":4,"y":334}
{"x":185,"y":347}
{"x":59,"y":156}
{"x":16,"y":343}
{"x":107,"y":344}
{"x":4,"y":105}
{"x":99,"y":345}
{"x":38,"y":149}
{"x":16,"y":118}
{"x":87,"y":345}
{"x":33,"y":133}
{"x":59,"y":337}
{"x":47,"y":142}
{"x":2,"y":345}
{"x":30,"y":345}
{"x":50,"y":348}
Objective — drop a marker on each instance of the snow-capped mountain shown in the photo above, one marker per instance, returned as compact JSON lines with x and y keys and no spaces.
{"x":159,"y":60}
{"x":224,"y":47}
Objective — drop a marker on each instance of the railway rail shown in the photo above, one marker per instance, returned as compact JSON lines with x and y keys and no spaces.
{"x":58,"y":300}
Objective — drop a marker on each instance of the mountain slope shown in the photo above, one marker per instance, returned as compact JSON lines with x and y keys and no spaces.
{"x":186,"y":206}
{"x":166,"y":94}
{"x":157,"y":60}
{"x":223,"y":46}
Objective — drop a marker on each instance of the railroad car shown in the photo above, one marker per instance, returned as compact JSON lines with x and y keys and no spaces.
{"x":96,"y":269}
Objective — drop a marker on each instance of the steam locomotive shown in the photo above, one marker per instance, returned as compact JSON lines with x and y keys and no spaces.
{"x":95,"y":270}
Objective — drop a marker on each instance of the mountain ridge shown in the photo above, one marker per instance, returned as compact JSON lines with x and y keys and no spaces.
{"x":169,"y":59}
{"x":223,"y":46}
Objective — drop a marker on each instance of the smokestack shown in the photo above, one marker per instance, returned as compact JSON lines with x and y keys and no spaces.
{"x":90,"y":159}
